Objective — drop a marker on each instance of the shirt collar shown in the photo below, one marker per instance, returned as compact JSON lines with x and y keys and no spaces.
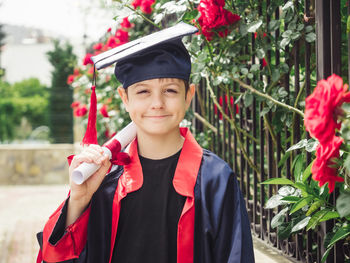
{"x":185,"y":174}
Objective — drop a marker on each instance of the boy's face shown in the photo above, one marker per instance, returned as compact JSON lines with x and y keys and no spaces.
{"x":157,"y":106}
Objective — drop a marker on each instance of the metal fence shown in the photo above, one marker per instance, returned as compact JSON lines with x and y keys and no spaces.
{"x":306,"y":59}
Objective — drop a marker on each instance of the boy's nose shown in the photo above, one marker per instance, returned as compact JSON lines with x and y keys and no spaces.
{"x":157,"y":101}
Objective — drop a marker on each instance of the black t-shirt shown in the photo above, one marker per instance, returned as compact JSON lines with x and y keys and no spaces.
{"x":147,"y":227}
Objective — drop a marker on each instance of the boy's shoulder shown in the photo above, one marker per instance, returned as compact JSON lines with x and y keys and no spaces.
{"x":213,"y":166}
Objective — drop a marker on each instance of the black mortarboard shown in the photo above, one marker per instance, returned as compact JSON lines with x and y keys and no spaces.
{"x":158,"y":55}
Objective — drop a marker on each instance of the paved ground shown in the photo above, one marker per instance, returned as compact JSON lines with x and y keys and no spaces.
{"x":24,"y":210}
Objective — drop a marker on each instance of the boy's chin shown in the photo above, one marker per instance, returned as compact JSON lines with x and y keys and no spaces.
{"x":160,"y":131}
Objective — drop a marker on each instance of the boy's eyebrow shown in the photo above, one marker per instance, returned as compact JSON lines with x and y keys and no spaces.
{"x":141,"y":85}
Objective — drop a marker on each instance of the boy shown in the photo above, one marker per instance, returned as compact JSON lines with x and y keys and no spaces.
{"x":174,"y":202}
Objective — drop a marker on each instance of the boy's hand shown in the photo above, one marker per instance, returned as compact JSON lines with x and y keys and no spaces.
{"x":91,"y":154}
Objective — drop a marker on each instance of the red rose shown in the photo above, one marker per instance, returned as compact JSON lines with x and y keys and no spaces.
{"x":136,"y":3}
{"x":75,"y":104}
{"x":214,"y":16}
{"x":264,"y":62}
{"x":112,"y":42}
{"x":98,"y":46}
{"x":323,"y":107}
{"x":146,"y":6}
{"x":256,"y":35}
{"x":125,"y":23}
{"x":87,"y":60}
{"x":80,"y":111}
{"x":122,"y":36}
{"x":104,"y":111}
{"x":76,"y":72}
{"x":323,"y":169}
{"x":70,"y":79}
{"x":109,"y":29}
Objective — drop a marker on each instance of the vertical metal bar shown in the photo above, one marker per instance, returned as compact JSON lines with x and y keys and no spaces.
{"x":309,"y":240}
{"x":262,"y":159}
{"x":324,"y":69}
{"x":278,"y":136}
{"x":335,"y":18}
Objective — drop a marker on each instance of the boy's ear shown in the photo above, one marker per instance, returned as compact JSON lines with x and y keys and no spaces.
{"x":123,"y":96}
{"x":190,"y":93}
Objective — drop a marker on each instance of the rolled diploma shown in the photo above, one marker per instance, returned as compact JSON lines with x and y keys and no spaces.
{"x":85,"y":170}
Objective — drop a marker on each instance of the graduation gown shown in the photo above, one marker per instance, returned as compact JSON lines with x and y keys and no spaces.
{"x":213,"y":226}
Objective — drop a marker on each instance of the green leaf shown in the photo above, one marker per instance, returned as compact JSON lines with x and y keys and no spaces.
{"x":299,"y":145}
{"x":330,"y":215}
{"x":300,"y":204}
{"x":307,"y":172}
{"x":300,"y":27}
{"x":301,"y":224}
{"x":298,"y":167}
{"x":310,"y":37}
{"x":284,"y":231}
{"x":348,"y":25}
{"x":274,"y":25}
{"x":342,"y":204}
{"x":284,"y":158}
{"x":347,"y":163}
{"x":283,"y":67}
{"x":260,"y":53}
{"x":278,"y":219}
{"x":286,"y":190}
{"x":285,"y":42}
{"x":342,"y":233}
{"x":274,"y":201}
{"x":275,"y":76}
{"x":311,"y":145}
{"x":300,"y":186}
{"x":316,"y":205}
{"x":253,"y":27}
{"x":281,"y":181}
{"x":255,"y":68}
{"x":325,"y":255}
{"x":189,"y":16}
{"x":288,"y":5}
{"x":281,"y":91}
{"x":291,"y":199}
{"x":308,"y":29}
{"x":248,"y":99}
{"x":287,"y":33}
{"x":244,"y":71}
{"x":264,"y":111}
{"x":315,"y":219}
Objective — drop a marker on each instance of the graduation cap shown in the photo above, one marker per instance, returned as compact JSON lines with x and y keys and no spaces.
{"x":158,"y":55}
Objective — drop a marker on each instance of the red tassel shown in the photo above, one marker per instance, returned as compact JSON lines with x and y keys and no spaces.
{"x":90,"y":136}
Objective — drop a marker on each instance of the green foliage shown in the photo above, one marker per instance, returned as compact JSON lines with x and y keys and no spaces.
{"x":63,"y":61}
{"x":28,"y":100}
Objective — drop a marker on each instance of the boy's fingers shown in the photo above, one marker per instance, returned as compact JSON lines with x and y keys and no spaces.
{"x":96,"y":147}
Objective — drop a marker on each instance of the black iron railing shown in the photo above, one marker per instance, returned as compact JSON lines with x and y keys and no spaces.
{"x":264,"y":147}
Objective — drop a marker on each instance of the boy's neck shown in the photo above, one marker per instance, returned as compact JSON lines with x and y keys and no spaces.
{"x":159,"y":147}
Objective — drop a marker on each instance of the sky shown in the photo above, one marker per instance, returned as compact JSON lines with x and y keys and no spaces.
{"x":71,"y":18}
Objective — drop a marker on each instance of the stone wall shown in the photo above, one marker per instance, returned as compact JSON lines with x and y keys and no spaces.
{"x":34,"y":164}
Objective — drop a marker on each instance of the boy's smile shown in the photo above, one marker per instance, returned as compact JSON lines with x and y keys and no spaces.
{"x":157,"y":106}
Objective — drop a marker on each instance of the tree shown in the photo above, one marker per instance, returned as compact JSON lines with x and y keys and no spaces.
{"x":2,"y":43}
{"x":24,"y":100}
{"x":63,"y":61}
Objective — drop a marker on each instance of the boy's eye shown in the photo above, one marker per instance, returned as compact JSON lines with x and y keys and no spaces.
{"x":142,"y":91}
{"x":171,"y":90}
